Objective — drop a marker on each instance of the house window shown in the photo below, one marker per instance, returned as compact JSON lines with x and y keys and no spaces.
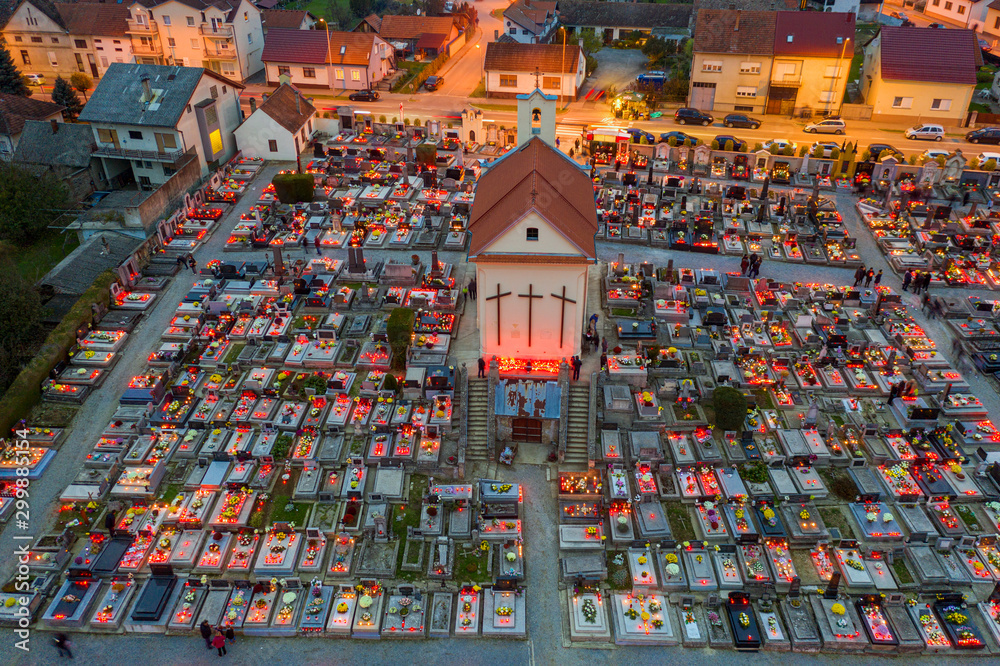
{"x":941,"y":104}
{"x":211,"y":116}
{"x":36,"y":40}
{"x":18,"y":38}
{"x":166,"y":140}
{"x":508,"y":80}
{"x":190,"y":21}
{"x":738,"y":107}
{"x":249,"y":38}
{"x":105,"y":136}
{"x":55,"y":40}
{"x":902,"y":102}
{"x":826,"y":96}
{"x":284,"y":70}
{"x":116,"y":41}
{"x":80,"y":43}
{"x":79,"y":62}
{"x":746,"y":91}
{"x":104,"y":62}
{"x":550,"y":82}
{"x":947,"y":6}
{"x":784,"y":71}
{"x":171,"y":42}
{"x":168,"y":171}
{"x":228,"y":69}
{"x":214,"y":92}
{"x":832,"y":72}
{"x":25,"y":58}
{"x":513,"y":31}
{"x":532,"y":234}
{"x":936,"y":2}
{"x":272,"y":145}
{"x":996,"y":24}
{"x":223,"y":90}
{"x":749,"y":68}
{"x":246,"y":16}
{"x":355,"y":75}
{"x":961,"y":9}
{"x":309,"y":72}
{"x":338,"y":73}
{"x":196,"y":44}
{"x":166,"y":20}
{"x":711,"y":66}
{"x":135,"y":134}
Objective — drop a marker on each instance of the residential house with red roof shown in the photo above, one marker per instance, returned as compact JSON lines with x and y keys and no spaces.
{"x":280,"y":129}
{"x":920,"y":74}
{"x":297,"y":19}
{"x":58,"y":39}
{"x":348,"y":61}
{"x":530,"y":21}
{"x":514,"y":69}
{"x":15,"y":111}
{"x":426,"y":35}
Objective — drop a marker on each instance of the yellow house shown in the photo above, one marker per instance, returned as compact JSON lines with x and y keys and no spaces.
{"x":790,"y":63}
{"x":920,"y":74}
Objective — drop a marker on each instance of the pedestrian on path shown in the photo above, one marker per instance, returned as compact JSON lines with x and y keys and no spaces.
{"x":61,"y":641}
{"x":744,"y":264}
{"x":868,"y":277}
{"x":316,"y":243}
{"x":925,"y":303}
{"x":907,"y":279}
{"x":193,"y":264}
{"x":755,"y":267}
{"x":482,"y":367}
{"x":231,"y":635}
{"x":578,"y":364}
{"x":917,"y":281}
{"x":878,"y":277}
{"x":473,"y":288}
{"x":604,"y":345}
{"x":206,"y":632}
{"x":859,"y":275}
{"x":219,"y":642}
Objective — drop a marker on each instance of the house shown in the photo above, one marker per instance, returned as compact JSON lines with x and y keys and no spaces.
{"x":971,"y":13}
{"x":223,"y":36}
{"x":530,"y":21}
{"x":64,"y":149}
{"x":427,"y":35}
{"x":15,"y":111}
{"x":345,"y":61}
{"x":770,"y":62}
{"x":615,"y":20}
{"x":58,"y":39}
{"x":518,"y":69}
{"x":991,"y":25}
{"x":147,"y":120}
{"x":936,"y":87}
{"x":296,"y":19}
{"x":370,"y":23}
{"x":280,"y":128}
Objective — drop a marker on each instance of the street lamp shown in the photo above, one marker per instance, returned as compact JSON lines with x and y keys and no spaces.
{"x":326,"y":26}
{"x":482,"y":67}
{"x":833,"y":83}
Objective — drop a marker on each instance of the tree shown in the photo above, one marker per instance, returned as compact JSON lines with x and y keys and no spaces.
{"x":426,"y":154}
{"x":64,"y":95}
{"x":294,"y":187}
{"x":399,"y":329}
{"x":21,"y":312}
{"x":434,"y":7}
{"x":592,"y":42}
{"x":11,"y":80}
{"x":361,"y":8}
{"x":82,"y":83}
{"x":730,"y":408}
{"x":28,"y":203}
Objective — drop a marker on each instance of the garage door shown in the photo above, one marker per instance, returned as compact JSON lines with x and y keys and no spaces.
{"x":703,"y":96}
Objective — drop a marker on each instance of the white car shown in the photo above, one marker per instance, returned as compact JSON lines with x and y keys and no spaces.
{"x":828,"y":126}
{"x":35,"y":79}
{"x":929,"y":132}
{"x":934,"y":153}
{"x":986,"y":157}
{"x":779,"y":145}
{"x":826,"y":146}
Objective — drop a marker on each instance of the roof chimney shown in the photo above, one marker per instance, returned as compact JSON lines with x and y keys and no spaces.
{"x":147,"y":92}
{"x":253,"y":104}
{"x":55,"y":125}
{"x":736,"y":28}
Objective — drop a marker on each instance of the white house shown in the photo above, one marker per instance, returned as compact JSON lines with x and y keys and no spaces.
{"x":519,"y":69}
{"x":320,"y":59}
{"x":15,"y":111}
{"x":530,"y":21}
{"x":971,"y":13}
{"x":147,"y":118}
{"x":280,"y":129}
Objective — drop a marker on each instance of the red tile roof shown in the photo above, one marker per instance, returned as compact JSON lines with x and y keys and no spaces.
{"x":431,"y":40}
{"x":289,"y":112}
{"x":814,"y":34}
{"x":310,"y":47}
{"x":534,"y":177}
{"x":929,"y":54}
{"x":101,"y":20}
{"x":741,"y":32}
{"x":547,"y":58}
{"x":412,"y":27}
{"x":14,"y":110}
{"x":283,"y":18}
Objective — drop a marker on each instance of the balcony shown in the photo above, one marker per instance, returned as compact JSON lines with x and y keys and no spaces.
{"x":787,"y":81}
{"x":124,"y":153}
{"x":145,"y":28}
{"x":149,"y":49}
{"x":220,"y":51}
{"x":216,"y":30}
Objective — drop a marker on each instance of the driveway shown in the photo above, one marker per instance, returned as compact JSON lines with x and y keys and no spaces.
{"x":616,"y":67}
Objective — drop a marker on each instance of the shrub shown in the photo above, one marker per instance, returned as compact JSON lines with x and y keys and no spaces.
{"x":984,"y":75}
{"x":788,"y":151}
{"x":974,"y":163}
{"x":802,"y":151}
{"x":991,"y":165}
{"x":381,"y":119}
{"x":399,"y":329}
{"x":730,"y":408}
{"x":835,"y":153}
{"x":728,"y":145}
{"x":282,"y":445}
{"x":390,"y":383}
{"x":774,"y":149}
{"x":672,"y":141}
{"x":293,"y":187}
{"x":426,"y":154}
{"x":757,"y":146}
{"x":715,"y":144}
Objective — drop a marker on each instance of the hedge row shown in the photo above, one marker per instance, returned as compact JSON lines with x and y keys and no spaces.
{"x":432,"y":68}
{"x":25,"y":391}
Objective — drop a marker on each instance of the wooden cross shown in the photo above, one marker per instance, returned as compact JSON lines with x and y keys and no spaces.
{"x":498,"y":296}
{"x":562,"y":314}
{"x":530,"y":296}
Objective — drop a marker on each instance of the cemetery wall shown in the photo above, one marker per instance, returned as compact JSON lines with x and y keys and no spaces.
{"x":152,"y":208}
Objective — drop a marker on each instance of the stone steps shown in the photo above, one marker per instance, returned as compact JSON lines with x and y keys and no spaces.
{"x":477,"y":421}
{"x":578,"y":419}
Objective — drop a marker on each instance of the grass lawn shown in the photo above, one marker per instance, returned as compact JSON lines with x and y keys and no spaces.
{"x":297,"y":514}
{"x":901,"y":571}
{"x":480,"y":91}
{"x":618,"y":574}
{"x":471,"y":566}
{"x":839,"y":484}
{"x":680,"y":522}
{"x":834,"y":517}
{"x":170,"y":492}
{"x":35,"y":260}
{"x":981,"y":108}
{"x":52,"y":415}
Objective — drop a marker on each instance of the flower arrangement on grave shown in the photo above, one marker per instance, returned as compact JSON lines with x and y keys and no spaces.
{"x":654,"y":606}
{"x":505,"y":611}
{"x":671,"y":558}
{"x":804,"y":514}
{"x":956,"y":617}
{"x":744,"y":620}
{"x":838,"y":609}
{"x":631,"y":613}
{"x":589,"y":610}
{"x":855,"y":564}
{"x":871,"y":516}
{"x":714,"y":619}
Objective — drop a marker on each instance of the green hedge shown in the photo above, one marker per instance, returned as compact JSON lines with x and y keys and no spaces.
{"x":25,"y":391}
{"x":292,"y":188}
{"x":399,"y":330}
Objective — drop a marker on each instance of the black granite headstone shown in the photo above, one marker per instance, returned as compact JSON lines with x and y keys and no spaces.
{"x":831,"y":589}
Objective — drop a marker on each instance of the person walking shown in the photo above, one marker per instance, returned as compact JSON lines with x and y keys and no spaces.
{"x":206,"y":632}
{"x":219,"y":642}
{"x":878,"y":277}
{"x":917,"y":281}
{"x":927,"y":281}
{"x":193,"y":264}
{"x":859,"y":275}
{"x":317,"y":245}
{"x":868,"y":277}
{"x":61,"y":641}
{"x":925,"y":304}
{"x":231,"y":635}
{"x":473,"y":288}
{"x":907,"y":279}
{"x":604,"y":345}
{"x":482,"y":367}
{"x":744,"y":264}
{"x":579,"y":366}
{"x":755,"y":266}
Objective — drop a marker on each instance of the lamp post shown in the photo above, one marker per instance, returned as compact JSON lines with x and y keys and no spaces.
{"x":562,"y":69}
{"x":326,"y":26}
{"x":482,"y":67}
{"x":833,"y":84}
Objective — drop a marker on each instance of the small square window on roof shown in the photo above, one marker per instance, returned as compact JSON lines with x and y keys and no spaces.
{"x":790,"y":38}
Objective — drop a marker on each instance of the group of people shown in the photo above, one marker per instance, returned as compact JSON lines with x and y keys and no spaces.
{"x":216,"y":638}
{"x":189,"y":261}
{"x":920,"y":281}
{"x":867,"y":276}
{"x":750,"y":265}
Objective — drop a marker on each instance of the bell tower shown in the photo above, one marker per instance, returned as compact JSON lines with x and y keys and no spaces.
{"x":536,"y":116}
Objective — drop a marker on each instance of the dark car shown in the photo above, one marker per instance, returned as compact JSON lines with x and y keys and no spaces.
{"x":363,"y":96}
{"x":984,"y":135}
{"x":879,"y":150}
{"x":737,"y":144}
{"x":691,"y":116}
{"x":434,"y":82}
{"x":679,"y":138}
{"x":740,"y":120}
{"x":937,"y":25}
{"x":637,"y":135}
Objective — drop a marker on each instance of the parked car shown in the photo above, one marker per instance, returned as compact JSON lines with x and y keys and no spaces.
{"x":433,"y":82}
{"x":828,"y":126}
{"x":937,"y":25}
{"x":779,"y":145}
{"x":900,"y":15}
{"x":35,"y":79}
{"x":738,"y":144}
{"x":986,"y":157}
{"x":926,"y":131}
{"x":740,"y":120}
{"x":687,"y":115}
{"x":985,"y":45}
{"x":679,"y":137}
{"x":984,"y":135}
{"x":637,"y":135}
{"x":363,"y":96}
{"x":880,"y":150}
{"x":826,"y":148}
